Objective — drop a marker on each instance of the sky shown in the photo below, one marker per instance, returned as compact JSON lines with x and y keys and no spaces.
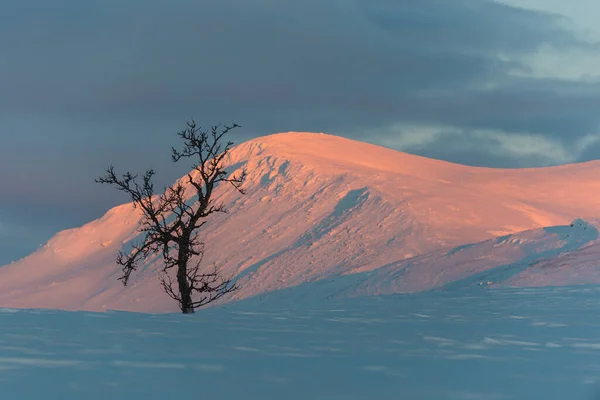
{"x":83,"y":85}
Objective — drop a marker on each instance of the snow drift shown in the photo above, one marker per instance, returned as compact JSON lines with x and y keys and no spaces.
{"x":319,"y":207}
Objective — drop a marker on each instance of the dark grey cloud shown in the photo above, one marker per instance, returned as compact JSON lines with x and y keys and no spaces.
{"x":553,"y":108}
{"x":491,"y":149}
{"x":334,"y":65}
{"x":591,"y":153}
{"x":88,"y":83}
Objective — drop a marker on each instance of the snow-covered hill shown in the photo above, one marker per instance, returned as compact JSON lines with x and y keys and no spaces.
{"x":493,"y":262}
{"x":318,"y":207}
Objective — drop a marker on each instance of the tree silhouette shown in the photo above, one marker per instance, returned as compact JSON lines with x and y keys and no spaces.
{"x":172,"y":220}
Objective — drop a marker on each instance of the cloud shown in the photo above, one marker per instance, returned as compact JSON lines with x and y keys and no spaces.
{"x":5,"y":230}
{"x":292,"y":64}
{"x":567,"y":64}
{"x":485,"y":147}
{"x":591,"y":152}
{"x":121,"y":77}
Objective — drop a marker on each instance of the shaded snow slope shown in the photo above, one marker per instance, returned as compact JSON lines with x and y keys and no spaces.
{"x":578,"y":267}
{"x":494,"y":262}
{"x":317,"y":206}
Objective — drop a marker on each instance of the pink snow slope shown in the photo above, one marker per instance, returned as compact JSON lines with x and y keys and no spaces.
{"x":317,"y":206}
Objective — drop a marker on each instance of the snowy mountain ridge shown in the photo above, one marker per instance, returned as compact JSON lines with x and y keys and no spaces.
{"x":322,"y":207}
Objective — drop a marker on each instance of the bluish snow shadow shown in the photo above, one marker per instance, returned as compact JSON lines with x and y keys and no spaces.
{"x":508,"y":343}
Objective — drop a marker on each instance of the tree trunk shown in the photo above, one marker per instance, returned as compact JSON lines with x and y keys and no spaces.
{"x":185,"y":292}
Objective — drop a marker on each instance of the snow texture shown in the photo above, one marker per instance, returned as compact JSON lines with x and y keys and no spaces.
{"x":366,"y":273}
{"x":538,"y":343}
{"x":362,"y":219}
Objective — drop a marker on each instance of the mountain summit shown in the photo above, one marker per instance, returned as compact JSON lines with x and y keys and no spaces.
{"x":317,"y":207}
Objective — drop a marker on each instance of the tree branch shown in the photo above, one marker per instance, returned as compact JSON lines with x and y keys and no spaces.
{"x":171,"y":220}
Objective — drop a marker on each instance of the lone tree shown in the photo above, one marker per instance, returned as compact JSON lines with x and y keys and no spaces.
{"x":171,"y":220}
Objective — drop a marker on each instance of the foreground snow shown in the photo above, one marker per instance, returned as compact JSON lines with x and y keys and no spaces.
{"x":539,"y":343}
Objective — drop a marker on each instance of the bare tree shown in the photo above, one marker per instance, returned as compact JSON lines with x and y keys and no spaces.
{"x":171,"y":220}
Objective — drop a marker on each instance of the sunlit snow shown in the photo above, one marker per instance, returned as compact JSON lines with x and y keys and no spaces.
{"x":320,"y":207}
{"x":365,"y":273}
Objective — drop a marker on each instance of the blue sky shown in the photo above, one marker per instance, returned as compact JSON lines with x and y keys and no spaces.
{"x":86,"y":84}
